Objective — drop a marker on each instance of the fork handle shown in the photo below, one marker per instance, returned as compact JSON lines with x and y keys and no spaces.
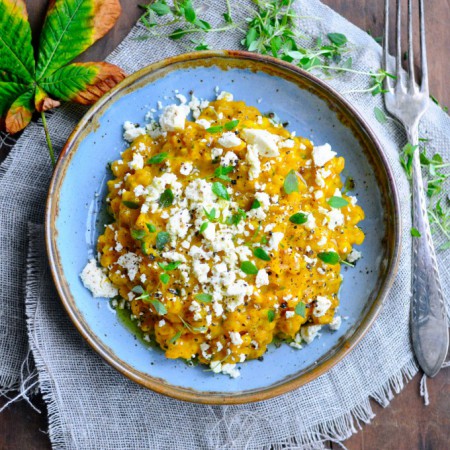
{"x":429,"y":327}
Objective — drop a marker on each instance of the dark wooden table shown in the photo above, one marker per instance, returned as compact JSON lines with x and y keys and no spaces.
{"x":406,"y":423}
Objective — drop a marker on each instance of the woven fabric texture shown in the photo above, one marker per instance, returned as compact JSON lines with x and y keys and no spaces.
{"x":90,"y":405}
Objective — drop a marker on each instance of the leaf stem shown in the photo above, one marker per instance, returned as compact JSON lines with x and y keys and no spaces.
{"x":49,"y":141}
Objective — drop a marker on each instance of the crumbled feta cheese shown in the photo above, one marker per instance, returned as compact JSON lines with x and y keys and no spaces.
{"x":201,"y":271}
{"x":275,"y":240}
{"x":203,"y":123}
{"x":265,"y":142}
{"x":288,"y":143}
{"x":353,"y":256}
{"x":131,"y":131}
{"x":322,"y":154}
{"x":335,"y":324}
{"x":262,"y":278}
{"x":353,"y":200}
{"x":210,"y":232}
{"x":290,"y":314}
{"x":173,"y":117}
{"x":96,"y":281}
{"x":335,"y":218}
{"x":186,"y":168}
{"x":229,"y":140}
{"x":161,"y":323}
{"x":182,"y":98}
{"x":322,"y":306}
{"x":253,"y":161}
{"x":230,"y":369}
{"x":318,"y":194}
{"x":137,"y":162}
{"x":217,"y":308}
{"x":224,"y":95}
{"x":216,"y":152}
{"x":195,"y":307}
{"x":139,"y":190}
{"x":173,"y":256}
{"x":230,"y":159}
{"x":130,"y":261}
{"x":179,"y":223}
{"x":236,"y":338}
{"x":311,"y":220}
{"x":310,"y":332}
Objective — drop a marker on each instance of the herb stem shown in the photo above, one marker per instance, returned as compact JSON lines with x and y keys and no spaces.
{"x":228,"y":8}
{"x":48,"y":139}
{"x":438,"y":223}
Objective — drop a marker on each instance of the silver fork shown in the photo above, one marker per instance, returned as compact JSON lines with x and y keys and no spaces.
{"x":407,"y":101}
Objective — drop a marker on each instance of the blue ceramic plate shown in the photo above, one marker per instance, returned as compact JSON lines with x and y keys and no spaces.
{"x":73,"y":218}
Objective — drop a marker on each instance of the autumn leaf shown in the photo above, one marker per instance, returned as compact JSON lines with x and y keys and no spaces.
{"x":28,"y":84}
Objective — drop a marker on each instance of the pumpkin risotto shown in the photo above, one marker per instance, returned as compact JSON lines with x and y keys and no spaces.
{"x":228,"y":231}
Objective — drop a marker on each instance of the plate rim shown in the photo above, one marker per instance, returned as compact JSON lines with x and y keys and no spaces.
{"x":157,"y":384}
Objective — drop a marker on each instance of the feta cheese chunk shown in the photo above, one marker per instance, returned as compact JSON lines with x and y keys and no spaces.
{"x":224,"y":95}
{"x":137,"y":162}
{"x":230,"y":159}
{"x":335,"y":324}
{"x":236,"y":338}
{"x":322,"y":154}
{"x":310,"y":332}
{"x":252,"y":159}
{"x":173,"y":117}
{"x":203,"y":123}
{"x":186,"y":168}
{"x":266,"y":143}
{"x":96,"y":281}
{"x":130,"y":261}
{"x":322,"y":306}
{"x":131,"y":131}
{"x":229,"y":140}
{"x":275,"y":240}
{"x":353,"y":256}
{"x":262,"y":278}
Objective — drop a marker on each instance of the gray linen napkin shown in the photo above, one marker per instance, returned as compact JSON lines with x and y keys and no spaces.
{"x":90,"y":405}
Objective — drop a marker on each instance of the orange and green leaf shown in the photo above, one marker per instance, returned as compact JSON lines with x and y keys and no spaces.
{"x":20,"y":112}
{"x":72,"y":26}
{"x":8,"y":94}
{"x":83,"y":82}
{"x":16,"y":52}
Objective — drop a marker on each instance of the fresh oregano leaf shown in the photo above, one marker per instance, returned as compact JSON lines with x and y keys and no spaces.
{"x":205,"y":298}
{"x":220,"y":190}
{"x":291,"y":183}
{"x":160,"y":308}
{"x":249,"y":268}
{"x":299,"y":218}
{"x":169,"y":266}
{"x":260,"y":253}
{"x":329,"y":257}
{"x":165,"y":278}
{"x":158,"y":159}
{"x":162,"y":238}
{"x":337,"y":202}
{"x":300,"y":309}
{"x":166,"y":198}
{"x":131,"y":205}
